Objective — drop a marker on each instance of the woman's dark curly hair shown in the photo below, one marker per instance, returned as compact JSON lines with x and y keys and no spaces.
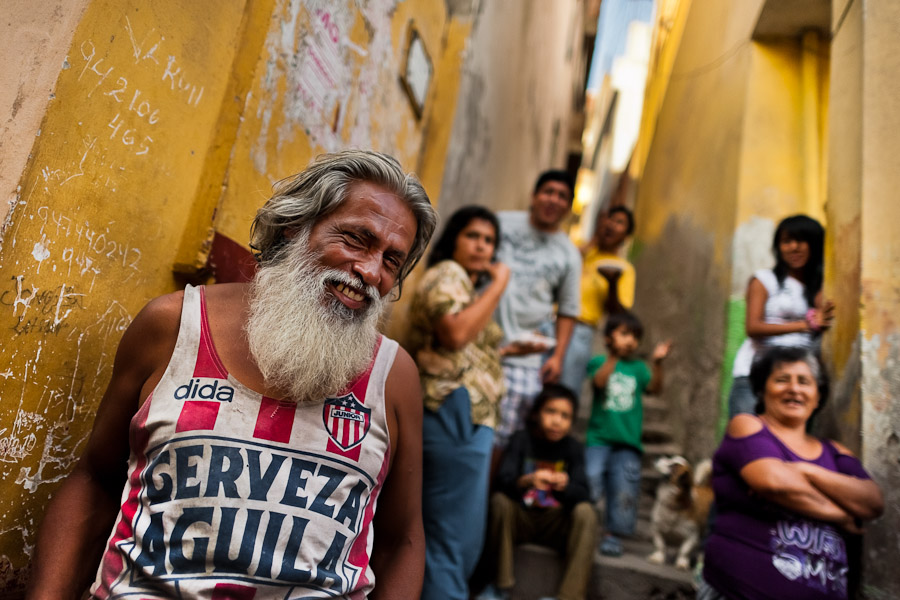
{"x":770,"y":358}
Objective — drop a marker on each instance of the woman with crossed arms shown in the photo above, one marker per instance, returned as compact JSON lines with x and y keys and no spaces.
{"x":785,"y":500}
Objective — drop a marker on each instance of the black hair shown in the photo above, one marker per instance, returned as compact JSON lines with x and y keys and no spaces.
{"x":563,"y":177}
{"x":802,"y":229}
{"x":769,"y":359}
{"x":628,"y":215}
{"x":445,"y":245}
{"x":550,"y":391}
{"x":626,"y":318}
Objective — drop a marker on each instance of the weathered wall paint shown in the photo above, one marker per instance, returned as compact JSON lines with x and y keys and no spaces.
{"x":199,"y":233}
{"x":104,"y":200}
{"x":771,"y":106}
{"x":35,"y":40}
{"x":516,"y":97}
{"x":865,"y":261}
{"x":843,"y":266}
{"x":743,"y":167}
{"x":686,"y":207}
{"x":167,"y":124}
{"x":327,"y":78}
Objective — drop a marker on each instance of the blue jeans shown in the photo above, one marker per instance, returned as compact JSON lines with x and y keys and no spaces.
{"x":615,"y":472}
{"x":574,"y":370}
{"x":455,"y":469}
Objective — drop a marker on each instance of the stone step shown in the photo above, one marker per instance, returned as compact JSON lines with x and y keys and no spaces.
{"x":655,"y":409}
{"x":632,"y":577}
{"x":628,"y":577}
{"x":656,"y":432}
{"x":649,"y":481}
{"x":654,"y":450}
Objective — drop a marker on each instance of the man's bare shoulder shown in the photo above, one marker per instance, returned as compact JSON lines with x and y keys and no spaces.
{"x":161,"y":315}
{"x":402,"y":390}
{"x":227,"y":302}
{"x":141,"y":358}
{"x":402,"y":375}
{"x":227,"y":292}
{"x":151,"y":337}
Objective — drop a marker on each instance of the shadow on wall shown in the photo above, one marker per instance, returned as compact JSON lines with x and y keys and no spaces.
{"x":839,"y":419}
{"x":682,"y":294}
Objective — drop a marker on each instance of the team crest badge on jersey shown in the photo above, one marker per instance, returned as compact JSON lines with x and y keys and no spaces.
{"x":346,"y":420}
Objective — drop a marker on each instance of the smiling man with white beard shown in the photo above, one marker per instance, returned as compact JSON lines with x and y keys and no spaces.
{"x":249,"y":429}
{"x":305,"y":340}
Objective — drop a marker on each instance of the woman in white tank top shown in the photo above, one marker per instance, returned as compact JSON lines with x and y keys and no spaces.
{"x":784,"y":304}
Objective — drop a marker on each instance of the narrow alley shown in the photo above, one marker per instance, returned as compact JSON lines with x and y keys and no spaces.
{"x":140,"y":138}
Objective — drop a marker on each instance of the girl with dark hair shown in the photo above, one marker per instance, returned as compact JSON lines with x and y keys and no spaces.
{"x":784,"y":304}
{"x":785,"y":500}
{"x":455,"y":344}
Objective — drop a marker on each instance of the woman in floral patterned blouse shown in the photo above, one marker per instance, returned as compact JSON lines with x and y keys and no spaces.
{"x":455,"y":343}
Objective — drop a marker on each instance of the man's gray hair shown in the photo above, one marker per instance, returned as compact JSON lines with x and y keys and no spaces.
{"x":301,"y":200}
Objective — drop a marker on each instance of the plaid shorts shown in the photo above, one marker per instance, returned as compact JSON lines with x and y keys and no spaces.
{"x":523,"y":384}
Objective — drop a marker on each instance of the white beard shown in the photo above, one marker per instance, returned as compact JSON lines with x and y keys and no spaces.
{"x":306,"y":343}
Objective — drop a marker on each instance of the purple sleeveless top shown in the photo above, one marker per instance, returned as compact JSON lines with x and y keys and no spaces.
{"x":759,"y":550}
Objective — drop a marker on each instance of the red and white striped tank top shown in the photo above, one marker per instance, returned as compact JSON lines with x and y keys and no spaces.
{"x":232,"y":495}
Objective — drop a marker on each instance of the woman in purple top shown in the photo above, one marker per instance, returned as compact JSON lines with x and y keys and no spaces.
{"x":785,"y":500}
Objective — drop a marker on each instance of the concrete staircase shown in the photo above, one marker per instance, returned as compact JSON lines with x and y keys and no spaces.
{"x":630,"y":576}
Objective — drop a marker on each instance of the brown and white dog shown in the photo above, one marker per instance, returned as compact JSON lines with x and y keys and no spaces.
{"x":681,"y":509}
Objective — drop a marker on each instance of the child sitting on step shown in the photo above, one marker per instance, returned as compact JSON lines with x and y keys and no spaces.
{"x":543,"y":497}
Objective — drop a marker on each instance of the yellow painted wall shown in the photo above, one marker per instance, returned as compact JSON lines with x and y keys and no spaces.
{"x":687,"y":201}
{"x":671,"y":17}
{"x":361,"y":103}
{"x":723,"y":157}
{"x":30,"y":29}
{"x":864,"y":262}
{"x":843,"y":268}
{"x":753,"y":132}
{"x":104,"y":200}
{"x":168,"y":122}
{"x":771,"y":181}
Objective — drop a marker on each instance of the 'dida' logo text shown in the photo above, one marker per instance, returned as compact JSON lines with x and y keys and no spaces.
{"x":206,"y":389}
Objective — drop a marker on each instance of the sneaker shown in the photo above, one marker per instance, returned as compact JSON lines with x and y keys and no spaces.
{"x":491,"y":592}
{"x":611,"y":546}
{"x":697,"y":575}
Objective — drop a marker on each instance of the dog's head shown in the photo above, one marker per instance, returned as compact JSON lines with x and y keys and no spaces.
{"x":677,"y":471}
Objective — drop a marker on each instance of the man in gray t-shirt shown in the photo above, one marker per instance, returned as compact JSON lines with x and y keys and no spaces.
{"x":545,"y":271}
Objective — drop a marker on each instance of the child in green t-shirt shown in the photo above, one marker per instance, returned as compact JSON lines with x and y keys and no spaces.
{"x":613,"y":454}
